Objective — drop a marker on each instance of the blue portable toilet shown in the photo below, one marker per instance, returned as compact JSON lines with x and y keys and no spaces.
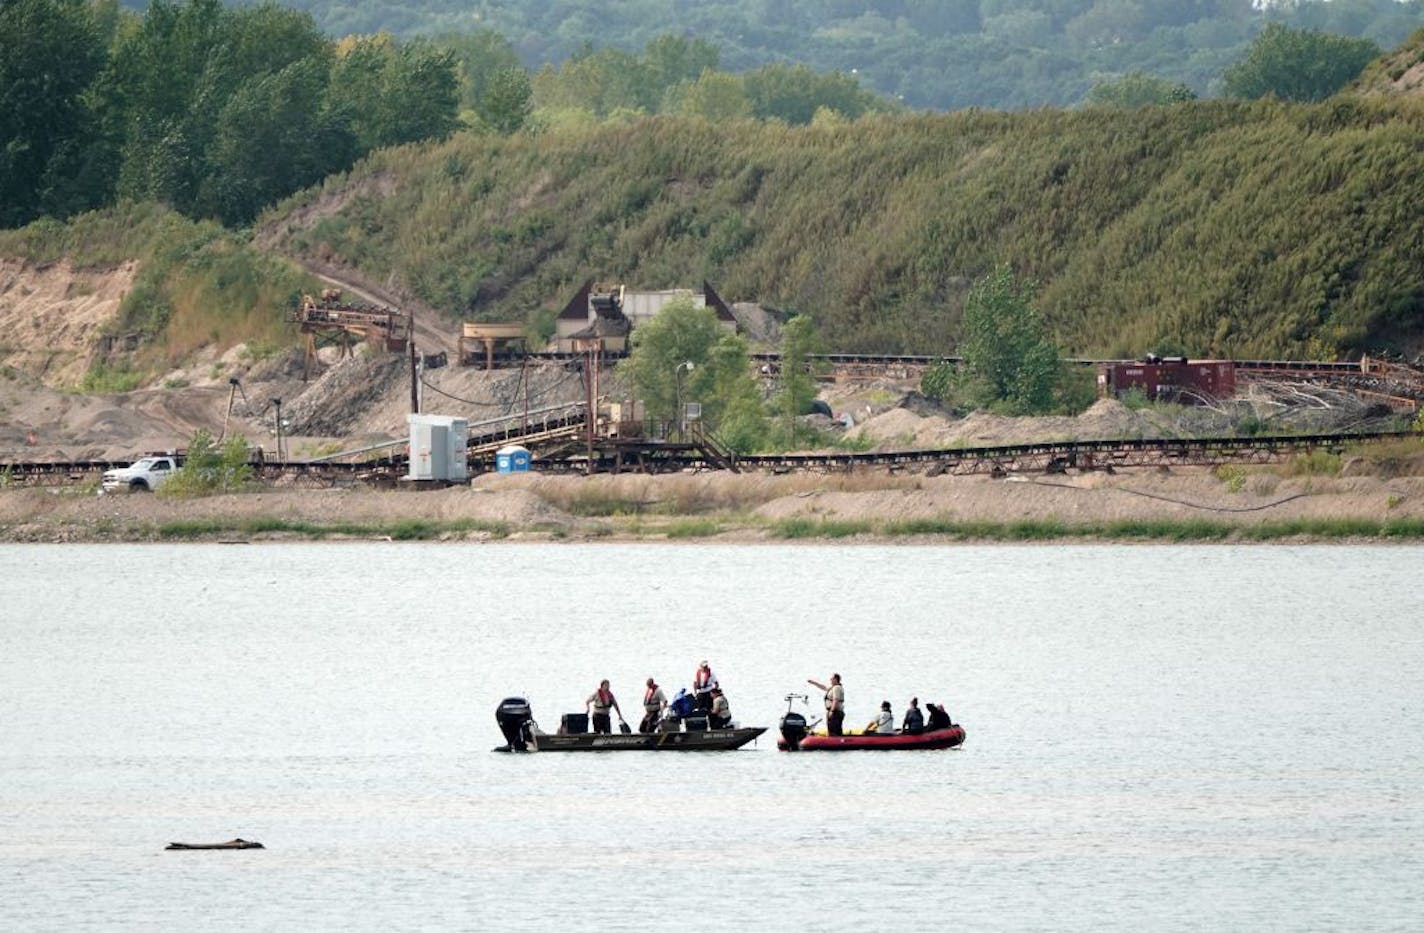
{"x":511,"y":459}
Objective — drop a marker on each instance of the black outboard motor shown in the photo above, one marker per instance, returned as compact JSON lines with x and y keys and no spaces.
{"x":516,"y":721}
{"x":793,"y":730}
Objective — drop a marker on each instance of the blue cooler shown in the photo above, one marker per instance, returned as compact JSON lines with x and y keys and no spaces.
{"x":683,"y":704}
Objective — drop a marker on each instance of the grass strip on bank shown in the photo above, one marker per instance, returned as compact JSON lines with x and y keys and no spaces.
{"x":406,"y":529}
{"x":1164,"y":530}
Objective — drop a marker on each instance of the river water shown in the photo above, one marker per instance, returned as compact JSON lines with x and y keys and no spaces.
{"x":1166,"y":738}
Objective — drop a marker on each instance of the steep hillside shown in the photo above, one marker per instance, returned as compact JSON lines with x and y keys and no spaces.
{"x":1399,"y":72}
{"x":1207,"y":228}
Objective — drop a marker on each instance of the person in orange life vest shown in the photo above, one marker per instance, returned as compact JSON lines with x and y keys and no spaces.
{"x":599,"y":702}
{"x":720,"y":716}
{"x":702,"y":683}
{"x":654,"y":703}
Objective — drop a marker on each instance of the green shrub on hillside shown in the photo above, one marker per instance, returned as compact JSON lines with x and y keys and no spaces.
{"x":209,"y":469}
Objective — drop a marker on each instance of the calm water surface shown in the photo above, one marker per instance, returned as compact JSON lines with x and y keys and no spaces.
{"x":1158,"y":738}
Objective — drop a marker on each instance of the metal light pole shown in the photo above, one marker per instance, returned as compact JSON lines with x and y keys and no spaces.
{"x":278,"y":403}
{"x":677,"y":380}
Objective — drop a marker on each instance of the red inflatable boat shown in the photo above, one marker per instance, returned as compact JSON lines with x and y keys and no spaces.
{"x":795,"y":738}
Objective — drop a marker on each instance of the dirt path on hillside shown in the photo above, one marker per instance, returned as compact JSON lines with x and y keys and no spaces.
{"x":433,"y":334}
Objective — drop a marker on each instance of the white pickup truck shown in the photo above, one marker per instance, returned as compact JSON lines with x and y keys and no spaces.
{"x":145,"y":475}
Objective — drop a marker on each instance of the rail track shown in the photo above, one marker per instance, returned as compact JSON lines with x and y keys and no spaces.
{"x":560,"y":437}
{"x":615,"y":455}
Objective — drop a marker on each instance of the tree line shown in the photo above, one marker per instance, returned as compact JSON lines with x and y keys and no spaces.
{"x":942,"y":55}
{"x":216,"y":112}
{"x":219,"y":112}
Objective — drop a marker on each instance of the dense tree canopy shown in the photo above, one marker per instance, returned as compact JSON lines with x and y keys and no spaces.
{"x":50,"y":53}
{"x":936,"y":54}
{"x":217,"y":112}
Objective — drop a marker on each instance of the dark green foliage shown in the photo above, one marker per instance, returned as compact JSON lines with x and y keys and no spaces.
{"x":1006,"y":346}
{"x":684,"y":355}
{"x":272,"y":136}
{"x":215,"y":112}
{"x":1297,"y":64}
{"x":939,"y":381}
{"x":796,"y":388}
{"x":1138,"y":89}
{"x":480,"y":57}
{"x":795,"y":93}
{"x":509,"y":101}
{"x":930,"y":54}
{"x":50,"y":53}
{"x":387,"y":94}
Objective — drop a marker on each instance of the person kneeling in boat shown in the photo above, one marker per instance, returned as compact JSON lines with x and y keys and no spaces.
{"x":884,"y":723}
{"x":654,"y":703}
{"x":914,"y":722}
{"x":939,"y":719}
{"x":720,"y":716}
{"x":599,"y":703}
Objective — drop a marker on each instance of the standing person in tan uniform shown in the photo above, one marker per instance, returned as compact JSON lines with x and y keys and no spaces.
{"x":720,"y":716}
{"x":835,"y":703}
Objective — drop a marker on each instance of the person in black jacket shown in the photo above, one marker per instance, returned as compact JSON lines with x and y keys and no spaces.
{"x":939,"y":719}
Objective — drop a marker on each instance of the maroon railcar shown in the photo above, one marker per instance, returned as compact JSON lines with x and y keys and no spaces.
{"x":1169,"y":379}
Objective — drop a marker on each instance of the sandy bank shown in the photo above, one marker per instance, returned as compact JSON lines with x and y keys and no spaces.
{"x":714,"y":507}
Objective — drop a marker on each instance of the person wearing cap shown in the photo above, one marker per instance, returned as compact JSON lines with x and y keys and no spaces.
{"x":914,"y":722}
{"x":654,"y":703}
{"x":884,"y":723}
{"x":702,"y":683}
{"x":835,"y":703}
{"x":599,"y":702}
{"x":720,"y":716}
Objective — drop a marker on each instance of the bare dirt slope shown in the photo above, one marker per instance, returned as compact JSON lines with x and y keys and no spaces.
{"x":51,"y":317}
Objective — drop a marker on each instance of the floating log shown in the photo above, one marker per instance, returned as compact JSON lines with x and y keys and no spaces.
{"x":234,"y":844}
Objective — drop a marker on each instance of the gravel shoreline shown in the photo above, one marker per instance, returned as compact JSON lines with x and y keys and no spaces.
{"x":725,"y":507}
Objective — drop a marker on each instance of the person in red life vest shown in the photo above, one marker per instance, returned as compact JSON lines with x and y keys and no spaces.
{"x":720,"y":716}
{"x":599,"y":702}
{"x":654,"y":703}
{"x":835,"y":703}
{"x":702,"y":684}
